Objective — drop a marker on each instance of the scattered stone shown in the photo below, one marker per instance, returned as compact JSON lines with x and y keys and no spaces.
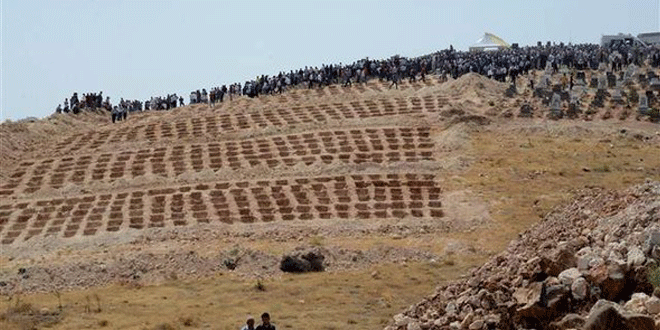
{"x":574,"y":256}
{"x":635,"y":257}
{"x":570,"y":321}
{"x":580,"y":289}
{"x":653,"y":305}
{"x":568,"y":276}
{"x":637,"y":303}
{"x":303,"y":261}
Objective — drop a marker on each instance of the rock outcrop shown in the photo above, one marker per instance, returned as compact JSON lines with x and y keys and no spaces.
{"x":303,"y":261}
{"x":591,"y":264}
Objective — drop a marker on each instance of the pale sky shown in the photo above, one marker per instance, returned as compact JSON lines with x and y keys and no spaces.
{"x":139,"y":49}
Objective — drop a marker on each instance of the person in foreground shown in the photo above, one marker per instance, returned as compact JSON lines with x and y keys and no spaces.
{"x":265,"y":323}
{"x":249,"y":324}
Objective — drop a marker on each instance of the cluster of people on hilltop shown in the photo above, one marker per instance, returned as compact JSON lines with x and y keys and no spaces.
{"x":199,"y":97}
{"x":87,"y":101}
{"x":163,"y":102}
{"x":500,"y":65}
{"x":121,"y":110}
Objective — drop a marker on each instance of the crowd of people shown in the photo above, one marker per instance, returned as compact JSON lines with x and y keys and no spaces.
{"x":87,"y":101}
{"x":503,"y":65}
{"x":163,"y":102}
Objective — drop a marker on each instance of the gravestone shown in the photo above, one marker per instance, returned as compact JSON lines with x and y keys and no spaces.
{"x":555,"y":107}
{"x":629,"y":74}
{"x":616,"y":96}
{"x":573,"y":107}
{"x":654,"y":84}
{"x":602,"y":67}
{"x":611,"y":79}
{"x":544,"y":82}
{"x":548,"y":68}
{"x":602,"y":83}
{"x":580,"y":79}
{"x":593,"y":83}
{"x":650,"y":97}
{"x":642,"y":79}
{"x":511,"y":91}
{"x":643,"y":104}
{"x":526,"y":111}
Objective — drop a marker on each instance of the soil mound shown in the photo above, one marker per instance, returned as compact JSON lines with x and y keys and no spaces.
{"x":472,"y":82}
{"x":23,"y":136}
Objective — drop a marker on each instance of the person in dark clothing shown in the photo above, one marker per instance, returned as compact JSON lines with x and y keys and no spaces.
{"x":181,"y":101}
{"x":265,"y":323}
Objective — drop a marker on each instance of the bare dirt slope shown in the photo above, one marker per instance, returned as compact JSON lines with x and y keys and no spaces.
{"x":400,"y":188}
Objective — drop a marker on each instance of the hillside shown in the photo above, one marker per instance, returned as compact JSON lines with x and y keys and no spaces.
{"x":400,"y":188}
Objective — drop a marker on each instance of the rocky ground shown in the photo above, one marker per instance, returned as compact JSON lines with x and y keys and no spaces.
{"x":591,"y":264}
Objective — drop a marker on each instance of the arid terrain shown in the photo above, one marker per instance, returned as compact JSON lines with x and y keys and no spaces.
{"x":133,"y":225}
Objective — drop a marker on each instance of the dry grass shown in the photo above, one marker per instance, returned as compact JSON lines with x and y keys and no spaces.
{"x":524,"y":177}
{"x":347,"y":300}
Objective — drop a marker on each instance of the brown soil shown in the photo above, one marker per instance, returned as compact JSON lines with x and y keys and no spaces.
{"x":403,"y":189}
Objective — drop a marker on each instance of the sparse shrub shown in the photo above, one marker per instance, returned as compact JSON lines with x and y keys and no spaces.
{"x":654,"y":277}
{"x":188,"y":321}
{"x":654,"y":115}
{"x":25,"y":316}
{"x":633,"y":97}
{"x":602,"y":168}
{"x":164,"y":326}
{"x":21,"y":308}
{"x":316,"y":241}
{"x":103,"y":323}
{"x":260,"y":285}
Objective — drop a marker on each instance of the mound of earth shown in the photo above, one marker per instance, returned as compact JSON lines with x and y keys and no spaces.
{"x":594,"y":260}
{"x":18,"y":138}
{"x":474,"y":82}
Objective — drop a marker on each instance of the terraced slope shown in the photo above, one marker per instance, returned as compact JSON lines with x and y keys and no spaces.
{"x":176,"y":168}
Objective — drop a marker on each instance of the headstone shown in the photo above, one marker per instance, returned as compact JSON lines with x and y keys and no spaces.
{"x":630,"y":73}
{"x":526,"y":111}
{"x":611,"y":79}
{"x":650,"y":97}
{"x":544,"y":82}
{"x":654,"y":84}
{"x":511,"y":91}
{"x":602,"y":83}
{"x":643,"y":104}
{"x":573,"y":106}
{"x":555,"y":107}
{"x":548,"y":68}
{"x":616,"y":96}
{"x":619,"y":84}
{"x":593,"y":83}
{"x":580,"y":79}
{"x":602,"y":67}
{"x":642,"y":79}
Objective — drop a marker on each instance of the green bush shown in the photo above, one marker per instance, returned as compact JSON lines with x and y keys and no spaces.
{"x":654,"y":277}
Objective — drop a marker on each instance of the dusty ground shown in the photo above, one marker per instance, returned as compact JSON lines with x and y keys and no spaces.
{"x":143,"y":214}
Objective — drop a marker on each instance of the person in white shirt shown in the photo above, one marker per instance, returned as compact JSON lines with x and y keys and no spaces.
{"x":249,"y":324}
